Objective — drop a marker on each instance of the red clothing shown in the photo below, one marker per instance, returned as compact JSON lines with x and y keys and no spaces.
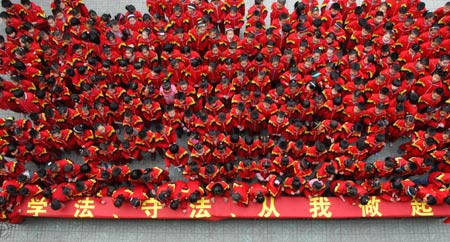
{"x":241,"y":188}
{"x":276,"y":128}
{"x":224,"y":185}
{"x":289,"y":189}
{"x":178,"y":159}
{"x":247,"y":172}
{"x":312,"y":192}
{"x":257,"y":190}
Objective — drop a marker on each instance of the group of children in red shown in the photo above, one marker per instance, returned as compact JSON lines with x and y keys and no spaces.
{"x":293,"y":108}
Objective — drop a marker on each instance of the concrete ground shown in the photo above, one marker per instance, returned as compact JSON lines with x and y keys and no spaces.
{"x":380,"y":230}
{"x":420,"y":229}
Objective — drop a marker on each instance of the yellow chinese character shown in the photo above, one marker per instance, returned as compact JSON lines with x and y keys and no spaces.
{"x":84,"y":208}
{"x":37,"y":206}
{"x":267,"y":211}
{"x":151,"y":207}
{"x":319,"y":207}
{"x":200,"y":209}
{"x":421,"y":209}
{"x":371,"y":208}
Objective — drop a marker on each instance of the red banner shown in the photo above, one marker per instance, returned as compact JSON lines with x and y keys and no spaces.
{"x":282,"y":208}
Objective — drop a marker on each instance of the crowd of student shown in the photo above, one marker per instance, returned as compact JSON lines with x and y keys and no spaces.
{"x":293,"y":108}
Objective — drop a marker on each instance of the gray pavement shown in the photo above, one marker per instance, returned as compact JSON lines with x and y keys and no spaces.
{"x":380,"y":230}
{"x":419,"y":229}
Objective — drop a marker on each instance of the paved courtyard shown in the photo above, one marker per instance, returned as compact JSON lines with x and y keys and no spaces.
{"x":380,"y":230}
{"x":60,"y":230}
